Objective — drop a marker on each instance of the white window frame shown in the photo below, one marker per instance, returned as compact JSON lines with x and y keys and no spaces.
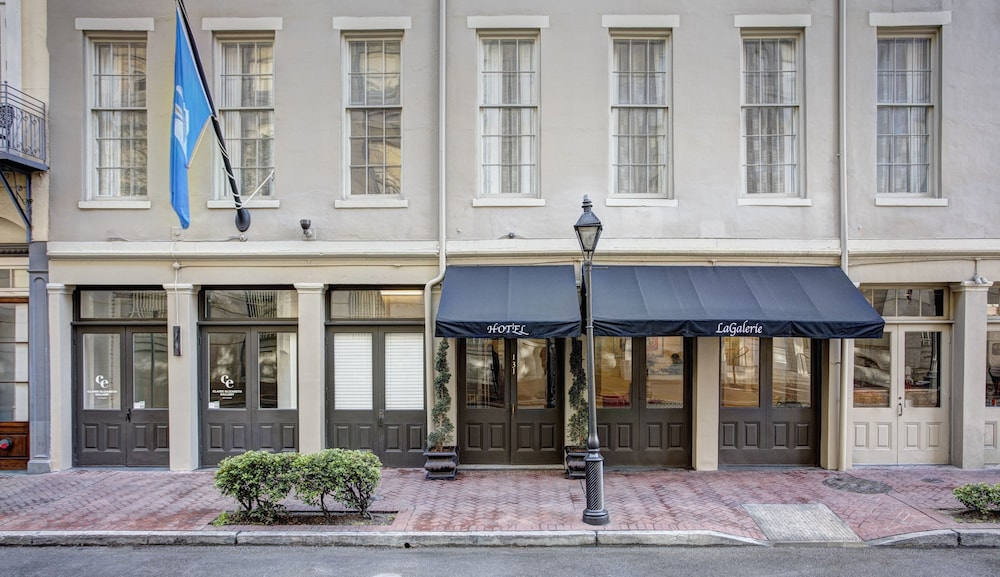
{"x":533,"y":197}
{"x":98,"y":31}
{"x":888,"y":198}
{"x":797,"y":196}
{"x":222,"y":196}
{"x":664,"y":189}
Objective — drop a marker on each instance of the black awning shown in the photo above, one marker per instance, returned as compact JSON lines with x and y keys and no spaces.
{"x":508,"y":302}
{"x":703,"y":301}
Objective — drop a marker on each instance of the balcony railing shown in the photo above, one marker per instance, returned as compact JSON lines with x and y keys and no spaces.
{"x":22,"y":128}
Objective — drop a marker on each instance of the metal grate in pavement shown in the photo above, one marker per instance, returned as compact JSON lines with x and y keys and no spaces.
{"x":809,"y":523}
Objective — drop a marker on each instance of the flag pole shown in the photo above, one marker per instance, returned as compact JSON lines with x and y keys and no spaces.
{"x":242,"y":214}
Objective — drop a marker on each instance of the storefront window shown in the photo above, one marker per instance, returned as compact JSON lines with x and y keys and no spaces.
{"x":149,"y":371}
{"x":101,"y":372}
{"x":922,"y":371}
{"x":791,"y":372}
{"x":485,"y":378}
{"x":872,"y":377}
{"x":993,"y":368}
{"x":613,"y":372}
{"x":276,"y":370}
{"x":664,"y":372}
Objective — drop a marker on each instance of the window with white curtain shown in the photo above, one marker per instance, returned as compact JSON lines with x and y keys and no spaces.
{"x":509,"y":115}
{"x":905,"y":114}
{"x":246,"y":113}
{"x":771,"y":114}
{"x":374,"y":113}
{"x":639,"y":116}
{"x":353,"y":371}
{"x":118,"y":116}
{"x":404,"y":371}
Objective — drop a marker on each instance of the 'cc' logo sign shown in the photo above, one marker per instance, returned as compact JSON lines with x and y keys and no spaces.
{"x":227,"y":381}
{"x":102,"y":381}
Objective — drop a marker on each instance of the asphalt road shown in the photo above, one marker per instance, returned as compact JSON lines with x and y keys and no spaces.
{"x":500,"y":562}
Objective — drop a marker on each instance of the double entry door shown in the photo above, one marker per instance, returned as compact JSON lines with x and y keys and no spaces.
{"x":249,"y":391}
{"x":375,"y":392}
{"x":768,"y":410}
{"x":900,"y":413}
{"x":510,"y":401}
{"x":121,"y":397}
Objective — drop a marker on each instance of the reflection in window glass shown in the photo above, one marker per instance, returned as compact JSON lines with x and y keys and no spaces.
{"x":872,"y":372}
{"x":149,"y":371}
{"x":251,"y":304}
{"x":123,"y":304}
{"x":993,"y":301}
{"x":485,"y":379}
{"x":992,"y":368}
{"x":613,"y":372}
{"x":665,"y":372}
{"x":8,"y":401}
{"x":377,"y":304}
{"x":907,"y":302}
{"x":535,"y":383}
{"x":101,"y":372}
{"x":791,"y":379}
{"x":922,"y":371}
{"x":276,"y":371}
{"x":740,"y":378}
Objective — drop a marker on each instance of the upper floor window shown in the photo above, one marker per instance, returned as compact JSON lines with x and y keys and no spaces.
{"x":117,"y":156}
{"x":771,"y":114}
{"x":374,"y":115}
{"x":509,"y":115}
{"x":246,"y":113}
{"x":639,"y":116}
{"x":905,"y":114}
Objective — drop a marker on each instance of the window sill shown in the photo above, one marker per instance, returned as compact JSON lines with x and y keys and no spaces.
{"x":640,"y":202}
{"x":255,"y":203}
{"x":115,"y":204}
{"x":773,"y":201}
{"x":362,"y":202}
{"x":506,"y":201}
{"x":909,"y":201}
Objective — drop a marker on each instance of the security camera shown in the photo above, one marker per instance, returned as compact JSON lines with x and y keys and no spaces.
{"x":306,"y":225}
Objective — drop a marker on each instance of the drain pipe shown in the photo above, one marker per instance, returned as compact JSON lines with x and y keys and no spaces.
{"x":442,"y":201}
{"x":846,"y":383}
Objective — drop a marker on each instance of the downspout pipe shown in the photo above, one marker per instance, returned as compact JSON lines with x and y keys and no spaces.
{"x":846,"y":384}
{"x":442,"y":200}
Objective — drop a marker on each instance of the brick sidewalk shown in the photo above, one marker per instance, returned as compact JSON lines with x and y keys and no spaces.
{"x":918,"y":499}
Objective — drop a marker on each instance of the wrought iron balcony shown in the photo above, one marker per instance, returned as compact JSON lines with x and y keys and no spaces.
{"x":22,"y":130}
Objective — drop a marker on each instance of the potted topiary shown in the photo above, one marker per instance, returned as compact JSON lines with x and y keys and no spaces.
{"x":576,"y":434}
{"x":441,"y":454}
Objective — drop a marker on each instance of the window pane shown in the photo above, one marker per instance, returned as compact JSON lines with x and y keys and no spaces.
{"x":251,"y":304}
{"x":665,"y":372}
{"x":118,"y":118}
{"x":508,"y":116}
{"x":922,"y":371}
{"x":536,"y":374}
{"x":485,"y":379}
{"x":377,"y":304}
{"x":123,"y":304}
{"x":149,"y":371}
{"x":791,"y":372}
{"x":404,"y":371}
{"x":227,"y":370}
{"x":613,"y":372}
{"x":740,"y":368}
{"x":246,"y":114}
{"x":277,"y":373}
{"x":352,"y":371}
{"x":101,"y":372}
{"x":872,"y":372}
{"x":992,"y":368}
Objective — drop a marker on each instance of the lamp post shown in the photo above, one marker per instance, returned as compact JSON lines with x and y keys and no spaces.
{"x":588,"y":232}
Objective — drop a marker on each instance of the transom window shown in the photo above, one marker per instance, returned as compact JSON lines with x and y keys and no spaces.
{"x":905,"y":114}
{"x":639,"y":116}
{"x":771,"y":115}
{"x":374,"y":112}
{"x":907,"y":301}
{"x":246,"y":112}
{"x":118,"y":115}
{"x":509,"y":115}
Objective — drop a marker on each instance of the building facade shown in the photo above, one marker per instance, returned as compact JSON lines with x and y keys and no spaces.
{"x":827,"y":162}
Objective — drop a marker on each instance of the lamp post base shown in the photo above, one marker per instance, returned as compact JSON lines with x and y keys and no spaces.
{"x":595,"y":513}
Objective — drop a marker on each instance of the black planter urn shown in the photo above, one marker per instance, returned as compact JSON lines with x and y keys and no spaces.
{"x":575,"y":465}
{"x":441,"y":464}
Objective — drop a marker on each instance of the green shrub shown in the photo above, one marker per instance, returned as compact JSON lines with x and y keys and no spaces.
{"x":258,"y":480}
{"x":979,"y":497}
{"x":347,"y":476}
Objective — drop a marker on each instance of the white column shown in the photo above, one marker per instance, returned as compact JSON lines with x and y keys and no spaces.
{"x":61,"y":374}
{"x":968,"y":375}
{"x":705,"y":405}
{"x":184,"y":415}
{"x":312,"y":367}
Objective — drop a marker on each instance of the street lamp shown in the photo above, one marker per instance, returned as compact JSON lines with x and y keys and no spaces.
{"x":588,"y":232}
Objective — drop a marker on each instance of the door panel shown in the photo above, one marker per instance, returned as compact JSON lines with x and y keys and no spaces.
{"x":376,"y":390}
{"x":900,"y":413}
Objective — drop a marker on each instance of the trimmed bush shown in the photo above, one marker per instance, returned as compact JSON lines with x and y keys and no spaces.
{"x":979,"y":497}
{"x":347,"y":476}
{"x":258,"y":480}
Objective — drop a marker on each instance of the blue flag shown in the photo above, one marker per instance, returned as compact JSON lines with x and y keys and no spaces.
{"x":191,"y":111}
